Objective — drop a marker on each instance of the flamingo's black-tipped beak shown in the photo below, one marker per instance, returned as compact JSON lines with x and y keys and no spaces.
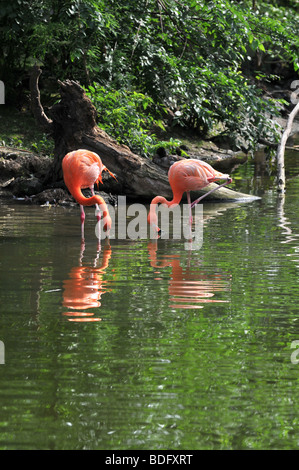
{"x":155,"y":227}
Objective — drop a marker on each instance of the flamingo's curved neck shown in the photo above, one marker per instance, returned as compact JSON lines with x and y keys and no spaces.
{"x":89,"y":201}
{"x":161,"y":200}
{"x":152,"y":217}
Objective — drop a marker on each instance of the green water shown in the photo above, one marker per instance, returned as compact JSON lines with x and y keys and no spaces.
{"x":177,"y":349}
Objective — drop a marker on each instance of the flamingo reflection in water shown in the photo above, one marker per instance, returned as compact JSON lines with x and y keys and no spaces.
{"x":85,"y":287}
{"x":188,"y":287}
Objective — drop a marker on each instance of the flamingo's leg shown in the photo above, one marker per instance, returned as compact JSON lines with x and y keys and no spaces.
{"x":82,"y":216}
{"x":98,"y":212}
{"x":209,"y":192}
{"x":190,"y":208}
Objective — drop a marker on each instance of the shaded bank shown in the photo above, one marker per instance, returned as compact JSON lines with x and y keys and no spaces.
{"x":23,"y":175}
{"x":72,"y":124}
{"x":37,"y":178}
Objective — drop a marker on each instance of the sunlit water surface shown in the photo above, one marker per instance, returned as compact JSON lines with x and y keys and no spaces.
{"x":144,"y":344}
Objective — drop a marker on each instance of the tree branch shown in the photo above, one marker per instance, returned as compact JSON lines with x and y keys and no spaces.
{"x":274,"y":145}
{"x":36,"y":106}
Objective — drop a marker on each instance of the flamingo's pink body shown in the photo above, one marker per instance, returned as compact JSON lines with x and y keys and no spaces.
{"x":82,"y":169}
{"x":185,"y":176}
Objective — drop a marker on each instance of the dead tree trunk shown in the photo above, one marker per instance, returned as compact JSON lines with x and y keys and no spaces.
{"x":72,"y":124}
{"x":281,"y":149}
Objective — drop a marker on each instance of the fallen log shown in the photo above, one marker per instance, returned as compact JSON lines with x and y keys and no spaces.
{"x":72,"y":123}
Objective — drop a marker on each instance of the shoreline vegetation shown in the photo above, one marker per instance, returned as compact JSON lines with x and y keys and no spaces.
{"x":143,"y":86}
{"x":23,"y":168}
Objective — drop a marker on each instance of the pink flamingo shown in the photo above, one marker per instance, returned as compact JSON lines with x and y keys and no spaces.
{"x":185,"y":176}
{"x":82,"y":169}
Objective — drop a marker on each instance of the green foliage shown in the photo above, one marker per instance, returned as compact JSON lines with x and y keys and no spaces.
{"x":200,"y":59}
{"x":128,"y":117}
